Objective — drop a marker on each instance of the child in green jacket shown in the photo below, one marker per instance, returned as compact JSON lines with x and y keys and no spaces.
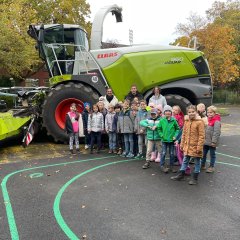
{"x":152,"y":135}
{"x":168,"y":130}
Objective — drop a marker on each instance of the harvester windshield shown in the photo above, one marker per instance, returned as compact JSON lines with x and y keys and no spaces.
{"x":60,"y":45}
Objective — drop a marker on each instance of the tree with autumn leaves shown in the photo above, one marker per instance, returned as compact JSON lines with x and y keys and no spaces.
{"x":218,"y":37}
{"x":18,"y":56}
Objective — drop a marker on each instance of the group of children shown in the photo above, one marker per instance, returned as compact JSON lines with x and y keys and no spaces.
{"x":137,"y":130}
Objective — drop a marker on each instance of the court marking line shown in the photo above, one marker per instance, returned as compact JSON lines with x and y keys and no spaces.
{"x":8,"y":206}
{"x":56,"y":206}
{"x":6,"y":198}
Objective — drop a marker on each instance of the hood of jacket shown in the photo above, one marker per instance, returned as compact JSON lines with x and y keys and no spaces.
{"x":212,"y":120}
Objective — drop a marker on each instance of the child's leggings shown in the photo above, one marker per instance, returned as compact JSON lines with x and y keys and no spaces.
{"x":72,"y":137}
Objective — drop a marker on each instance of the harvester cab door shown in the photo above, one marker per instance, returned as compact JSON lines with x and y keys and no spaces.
{"x":52,"y":50}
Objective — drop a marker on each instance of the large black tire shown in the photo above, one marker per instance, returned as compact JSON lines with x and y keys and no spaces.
{"x":182,"y":102}
{"x":63,"y":92}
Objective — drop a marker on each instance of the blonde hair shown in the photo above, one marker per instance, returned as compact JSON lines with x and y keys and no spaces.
{"x":178,"y":107}
{"x":213,"y":108}
{"x":191,"y":107}
{"x":200,"y":105}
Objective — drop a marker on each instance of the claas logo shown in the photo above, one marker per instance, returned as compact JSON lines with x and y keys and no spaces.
{"x":107,"y":55}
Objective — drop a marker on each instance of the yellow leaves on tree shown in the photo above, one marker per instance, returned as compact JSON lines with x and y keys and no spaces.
{"x":216,"y":42}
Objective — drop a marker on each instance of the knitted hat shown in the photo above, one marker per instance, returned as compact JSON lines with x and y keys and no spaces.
{"x":167,"y":108}
{"x":87,"y":104}
{"x":153,"y":111}
{"x":151,"y":104}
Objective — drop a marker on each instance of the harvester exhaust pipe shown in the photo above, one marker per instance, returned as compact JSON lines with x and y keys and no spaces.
{"x":97,"y":25}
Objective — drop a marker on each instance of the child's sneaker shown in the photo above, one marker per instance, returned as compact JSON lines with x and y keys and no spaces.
{"x":86,"y":147}
{"x":146,"y":165}
{"x":130,"y":155}
{"x":164,"y":169}
{"x":119,"y":151}
{"x":139,"y":156}
{"x":210,"y":170}
{"x":124,"y":154}
{"x":110,"y":151}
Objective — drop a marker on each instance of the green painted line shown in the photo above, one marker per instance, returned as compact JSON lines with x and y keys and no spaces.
{"x":56,"y":206}
{"x":6,"y":198}
{"x":223,"y":154}
{"x":229,"y":164}
{"x":36,"y":175}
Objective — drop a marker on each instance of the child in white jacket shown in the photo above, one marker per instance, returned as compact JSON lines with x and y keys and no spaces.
{"x":95,"y":127}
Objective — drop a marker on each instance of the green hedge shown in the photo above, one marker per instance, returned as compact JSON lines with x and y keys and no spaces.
{"x":225,"y":96}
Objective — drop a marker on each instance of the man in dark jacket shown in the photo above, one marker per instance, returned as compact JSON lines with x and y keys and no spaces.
{"x":134,"y":93}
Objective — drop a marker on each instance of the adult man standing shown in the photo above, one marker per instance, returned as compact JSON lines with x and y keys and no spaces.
{"x":109,"y":98}
{"x":134,"y":93}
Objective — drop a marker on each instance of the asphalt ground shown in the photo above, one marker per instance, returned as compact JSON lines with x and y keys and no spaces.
{"x":49,"y":194}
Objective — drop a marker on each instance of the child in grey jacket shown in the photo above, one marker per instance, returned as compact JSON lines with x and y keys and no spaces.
{"x":212,"y":135}
{"x":112,"y":135}
{"x":125,"y":125}
{"x":95,"y":127}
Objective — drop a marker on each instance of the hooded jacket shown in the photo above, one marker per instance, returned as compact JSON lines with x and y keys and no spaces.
{"x":156,"y":100}
{"x":148,"y":123}
{"x":95,"y":122}
{"x":125,"y":122}
{"x":109,"y":122}
{"x":180,"y":119}
{"x":213,"y":130}
{"x":69,"y":122}
{"x":193,"y":137}
{"x":142,"y":114}
{"x":168,"y":129}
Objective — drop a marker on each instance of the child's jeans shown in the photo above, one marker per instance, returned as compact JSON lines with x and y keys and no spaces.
{"x":142,"y":141}
{"x":150,"y":146}
{"x":72,"y":137}
{"x":170,"y":146}
{"x":96,"y":135}
{"x":120,"y":140}
{"x":87,"y":138}
{"x":206,"y":148}
{"x":135,"y":144}
{"x":128,"y":142}
{"x":186,"y":160}
{"x":112,"y":137}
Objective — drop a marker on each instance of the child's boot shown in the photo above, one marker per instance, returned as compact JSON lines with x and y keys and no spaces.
{"x":173,"y":169}
{"x":210,"y":169}
{"x":158,"y":157}
{"x":179,"y":177}
{"x":146,"y":165}
{"x":153,"y":156}
{"x":203,"y":166}
{"x":194,"y":180}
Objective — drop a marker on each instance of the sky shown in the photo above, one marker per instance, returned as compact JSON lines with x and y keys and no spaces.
{"x":152,"y":21}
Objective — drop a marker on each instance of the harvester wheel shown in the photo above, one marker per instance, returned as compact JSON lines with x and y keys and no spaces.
{"x":57,"y":104}
{"x":182,"y":102}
